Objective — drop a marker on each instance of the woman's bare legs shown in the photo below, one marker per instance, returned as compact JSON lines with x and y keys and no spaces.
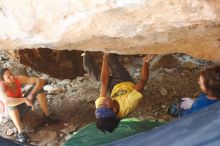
{"x":41,"y":98}
{"x":15,"y":117}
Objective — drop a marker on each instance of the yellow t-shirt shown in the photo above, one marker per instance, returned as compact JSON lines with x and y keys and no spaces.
{"x":127,"y":97}
{"x":118,"y":89}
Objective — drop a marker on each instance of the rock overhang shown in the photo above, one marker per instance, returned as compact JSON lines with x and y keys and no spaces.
{"x":123,"y":27}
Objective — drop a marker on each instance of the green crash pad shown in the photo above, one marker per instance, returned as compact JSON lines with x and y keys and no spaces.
{"x":91,"y":136}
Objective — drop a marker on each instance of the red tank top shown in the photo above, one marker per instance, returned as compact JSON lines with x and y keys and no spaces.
{"x":17,"y":93}
{"x":9,"y":93}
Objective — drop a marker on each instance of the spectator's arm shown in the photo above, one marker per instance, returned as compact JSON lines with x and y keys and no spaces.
{"x":39,"y":83}
{"x":10,"y":101}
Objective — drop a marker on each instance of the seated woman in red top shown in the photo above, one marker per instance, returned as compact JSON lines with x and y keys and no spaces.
{"x":12,"y":101}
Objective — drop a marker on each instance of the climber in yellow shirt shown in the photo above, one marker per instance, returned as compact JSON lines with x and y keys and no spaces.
{"x":125,"y":94}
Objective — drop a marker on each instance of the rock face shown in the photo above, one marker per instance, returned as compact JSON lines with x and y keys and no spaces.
{"x":124,"y":27}
{"x":58,"y":64}
{"x":166,"y":61}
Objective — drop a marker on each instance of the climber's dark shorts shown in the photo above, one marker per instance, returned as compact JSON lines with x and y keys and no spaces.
{"x":119,"y":72}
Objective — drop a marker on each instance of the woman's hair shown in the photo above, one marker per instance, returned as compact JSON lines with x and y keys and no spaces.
{"x":2,"y":71}
{"x":107,"y":124}
{"x":211,"y":78}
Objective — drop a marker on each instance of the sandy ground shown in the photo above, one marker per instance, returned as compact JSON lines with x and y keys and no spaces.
{"x":73,"y":100}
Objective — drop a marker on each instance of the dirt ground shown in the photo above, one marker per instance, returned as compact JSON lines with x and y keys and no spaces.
{"x":73,"y":100}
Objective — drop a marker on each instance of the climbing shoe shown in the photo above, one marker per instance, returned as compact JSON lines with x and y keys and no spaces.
{"x":22,"y":137}
{"x":51,"y":119}
{"x":173,"y":110}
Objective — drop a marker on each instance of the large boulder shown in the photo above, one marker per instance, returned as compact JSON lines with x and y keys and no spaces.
{"x":124,"y":27}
